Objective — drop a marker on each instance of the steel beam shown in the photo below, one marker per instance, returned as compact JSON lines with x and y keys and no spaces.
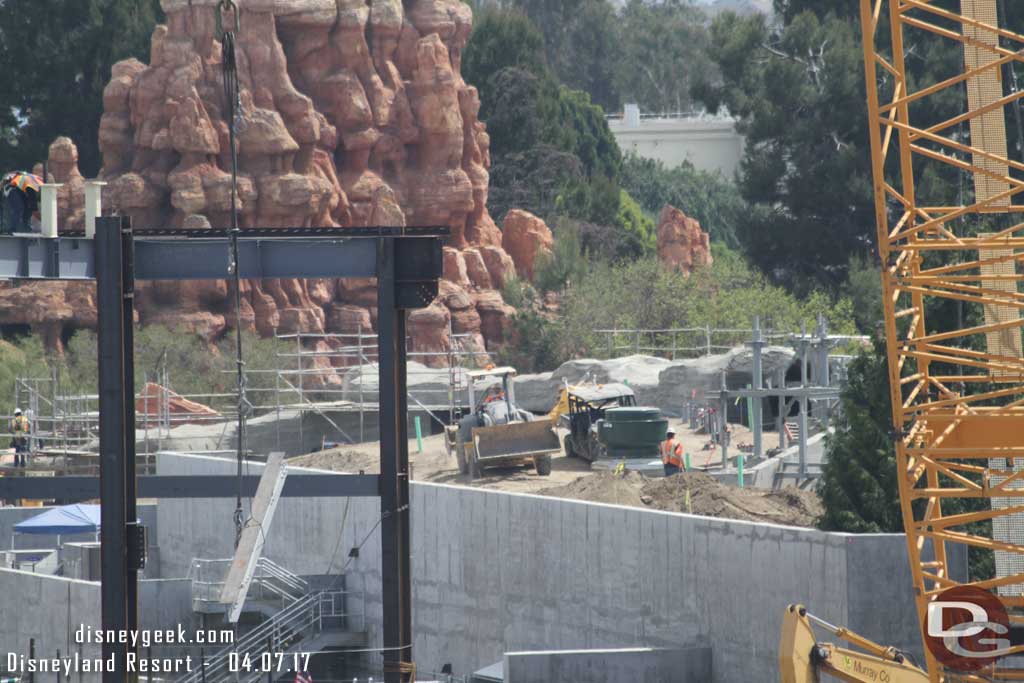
{"x":113,"y":428}
{"x":71,"y":258}
{"x":186,"y":487}
{"x":394,"y":465}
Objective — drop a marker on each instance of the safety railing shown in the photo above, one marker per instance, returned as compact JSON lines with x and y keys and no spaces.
{"x":270,"y":583}
{"x":301,"y":620}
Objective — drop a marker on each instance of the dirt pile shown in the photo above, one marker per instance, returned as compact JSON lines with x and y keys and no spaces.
{"x":696,"y":493}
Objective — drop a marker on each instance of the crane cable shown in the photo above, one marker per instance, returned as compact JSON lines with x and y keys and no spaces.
{"x":233,"y":103}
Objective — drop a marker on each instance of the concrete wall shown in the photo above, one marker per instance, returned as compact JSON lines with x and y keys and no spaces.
{"x":51,"y":609}
{"x":636,"y":665}
{"x":48,"y":609}
{"x":497,"y":572}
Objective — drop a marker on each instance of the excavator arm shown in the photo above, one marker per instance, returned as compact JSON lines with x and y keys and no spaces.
{"x":802,"y":659}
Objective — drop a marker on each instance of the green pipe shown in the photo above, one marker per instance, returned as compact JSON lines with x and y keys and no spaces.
{"x":687,"y":456}
{"x":739,"y":463}
{"x":419,"y":435}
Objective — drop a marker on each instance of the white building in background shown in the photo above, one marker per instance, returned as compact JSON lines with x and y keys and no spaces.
{"x":710,"y":143}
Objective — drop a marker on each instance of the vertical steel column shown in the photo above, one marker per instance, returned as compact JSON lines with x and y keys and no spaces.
{"x":113,"y":429}
{"x":804,"y":342}
{"x":756,"y":415}
{"x":723,"y":424}
{"x":394,"y":467}
{"x":780,"y":421}
{"x":128,"y":396}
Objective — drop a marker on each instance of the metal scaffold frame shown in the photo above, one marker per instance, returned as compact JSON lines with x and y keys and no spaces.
{"x":956,"y":392}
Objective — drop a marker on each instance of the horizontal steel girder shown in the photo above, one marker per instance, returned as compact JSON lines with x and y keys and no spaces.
{"x":72,"y":258}
{"x":205,"y":486}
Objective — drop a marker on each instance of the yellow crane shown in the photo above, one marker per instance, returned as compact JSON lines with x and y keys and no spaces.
{"x":957,"y":388}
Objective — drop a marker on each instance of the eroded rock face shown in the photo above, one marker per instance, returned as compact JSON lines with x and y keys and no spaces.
{"x":681,"y":242}
{"x":353,"y":113}
{"x":525,"y":237}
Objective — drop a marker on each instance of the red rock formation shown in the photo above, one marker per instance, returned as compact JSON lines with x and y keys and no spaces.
{"x":681,"y":243}
{"x":181,"y":410}
{"x":352,"y":113}
{"x":524,"y":237}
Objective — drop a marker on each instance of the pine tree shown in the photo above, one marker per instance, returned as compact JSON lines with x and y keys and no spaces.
{"x":858,"y":485}
{"x":55,"y":59}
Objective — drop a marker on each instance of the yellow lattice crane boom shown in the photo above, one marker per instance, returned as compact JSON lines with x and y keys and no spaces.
{"x":957,"y":388}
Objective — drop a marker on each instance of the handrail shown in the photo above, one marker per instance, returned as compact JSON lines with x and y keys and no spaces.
{"x":276,"y":634}
{"x":270,"y":575}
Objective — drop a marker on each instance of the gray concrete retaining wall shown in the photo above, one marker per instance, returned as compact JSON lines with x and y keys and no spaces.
{"x":497,"y":572}
{"x":48,"y":609}
{"x":51,"y":609}
{"x":635,"y":665}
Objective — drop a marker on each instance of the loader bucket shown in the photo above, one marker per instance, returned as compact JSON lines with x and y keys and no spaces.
{"x":516,"y":441}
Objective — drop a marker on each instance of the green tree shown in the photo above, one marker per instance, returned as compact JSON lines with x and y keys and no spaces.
{"x":580,"y":43}
{"x":664,"y":47}
{"x":864,"y":287}
{"x":799,"y":94}
{"x":707,"y":197}
{"x":56,"y":61}
{"x":858,"y":485}
{"x":551,"y":149}
{"x":501,"y":39}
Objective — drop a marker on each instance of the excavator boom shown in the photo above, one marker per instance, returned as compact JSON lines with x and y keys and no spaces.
{"x":802,"y":659}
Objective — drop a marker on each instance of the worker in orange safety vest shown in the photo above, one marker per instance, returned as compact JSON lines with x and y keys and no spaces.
{"x":672,"y":454}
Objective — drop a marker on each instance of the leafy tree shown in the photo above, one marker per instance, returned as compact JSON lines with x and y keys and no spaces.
{"x":56,"y":63}
{"x":664,"y":48}
{"x":707,"y":197}
{"x":551,"y":148}
{"x":798,"y":92}
{"x":501,"y":39}
{"x":864,"y":287}
{"x":858,"y":485}
{"x":565,"y":265}
{"x":643,"y":294}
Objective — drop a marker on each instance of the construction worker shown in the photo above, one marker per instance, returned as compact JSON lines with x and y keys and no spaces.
{"x":20,"y":430}
{"x":672,"y":454}
{"x":20,"y":194}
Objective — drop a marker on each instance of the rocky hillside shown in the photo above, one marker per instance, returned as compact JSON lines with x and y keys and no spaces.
{"x":353,"y":114}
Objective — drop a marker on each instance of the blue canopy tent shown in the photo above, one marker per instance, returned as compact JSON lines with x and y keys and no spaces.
{"x":63,"y":520}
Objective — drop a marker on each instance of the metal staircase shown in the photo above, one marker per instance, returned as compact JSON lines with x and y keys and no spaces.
{"x":273,"y":587}
{"x":311,"y":623}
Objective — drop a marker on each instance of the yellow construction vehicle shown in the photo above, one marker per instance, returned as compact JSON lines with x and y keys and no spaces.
{"x":496,"y":432}
{"x":802,"y":659}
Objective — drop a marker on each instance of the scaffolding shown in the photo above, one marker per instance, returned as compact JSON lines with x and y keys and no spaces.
{"x":322,"y":373}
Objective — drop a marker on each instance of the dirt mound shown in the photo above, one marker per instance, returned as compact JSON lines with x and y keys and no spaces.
{"x":695,"y":493}
{"x":603,"y":487}
{"x":339,"y":460}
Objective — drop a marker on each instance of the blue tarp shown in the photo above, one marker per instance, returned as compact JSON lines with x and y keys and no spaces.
{"x":67,"y":519}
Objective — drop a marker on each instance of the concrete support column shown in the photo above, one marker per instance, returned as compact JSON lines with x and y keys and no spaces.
{"x":93,"y":205}
{"x":48,"y":208}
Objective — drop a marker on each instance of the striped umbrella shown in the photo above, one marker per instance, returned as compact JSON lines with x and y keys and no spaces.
{"x":24,"y":181}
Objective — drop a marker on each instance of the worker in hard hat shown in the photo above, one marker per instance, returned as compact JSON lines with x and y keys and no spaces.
{"x":19,"y":192}
{"x":20,"y":429}
{"x":672,"y":454}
